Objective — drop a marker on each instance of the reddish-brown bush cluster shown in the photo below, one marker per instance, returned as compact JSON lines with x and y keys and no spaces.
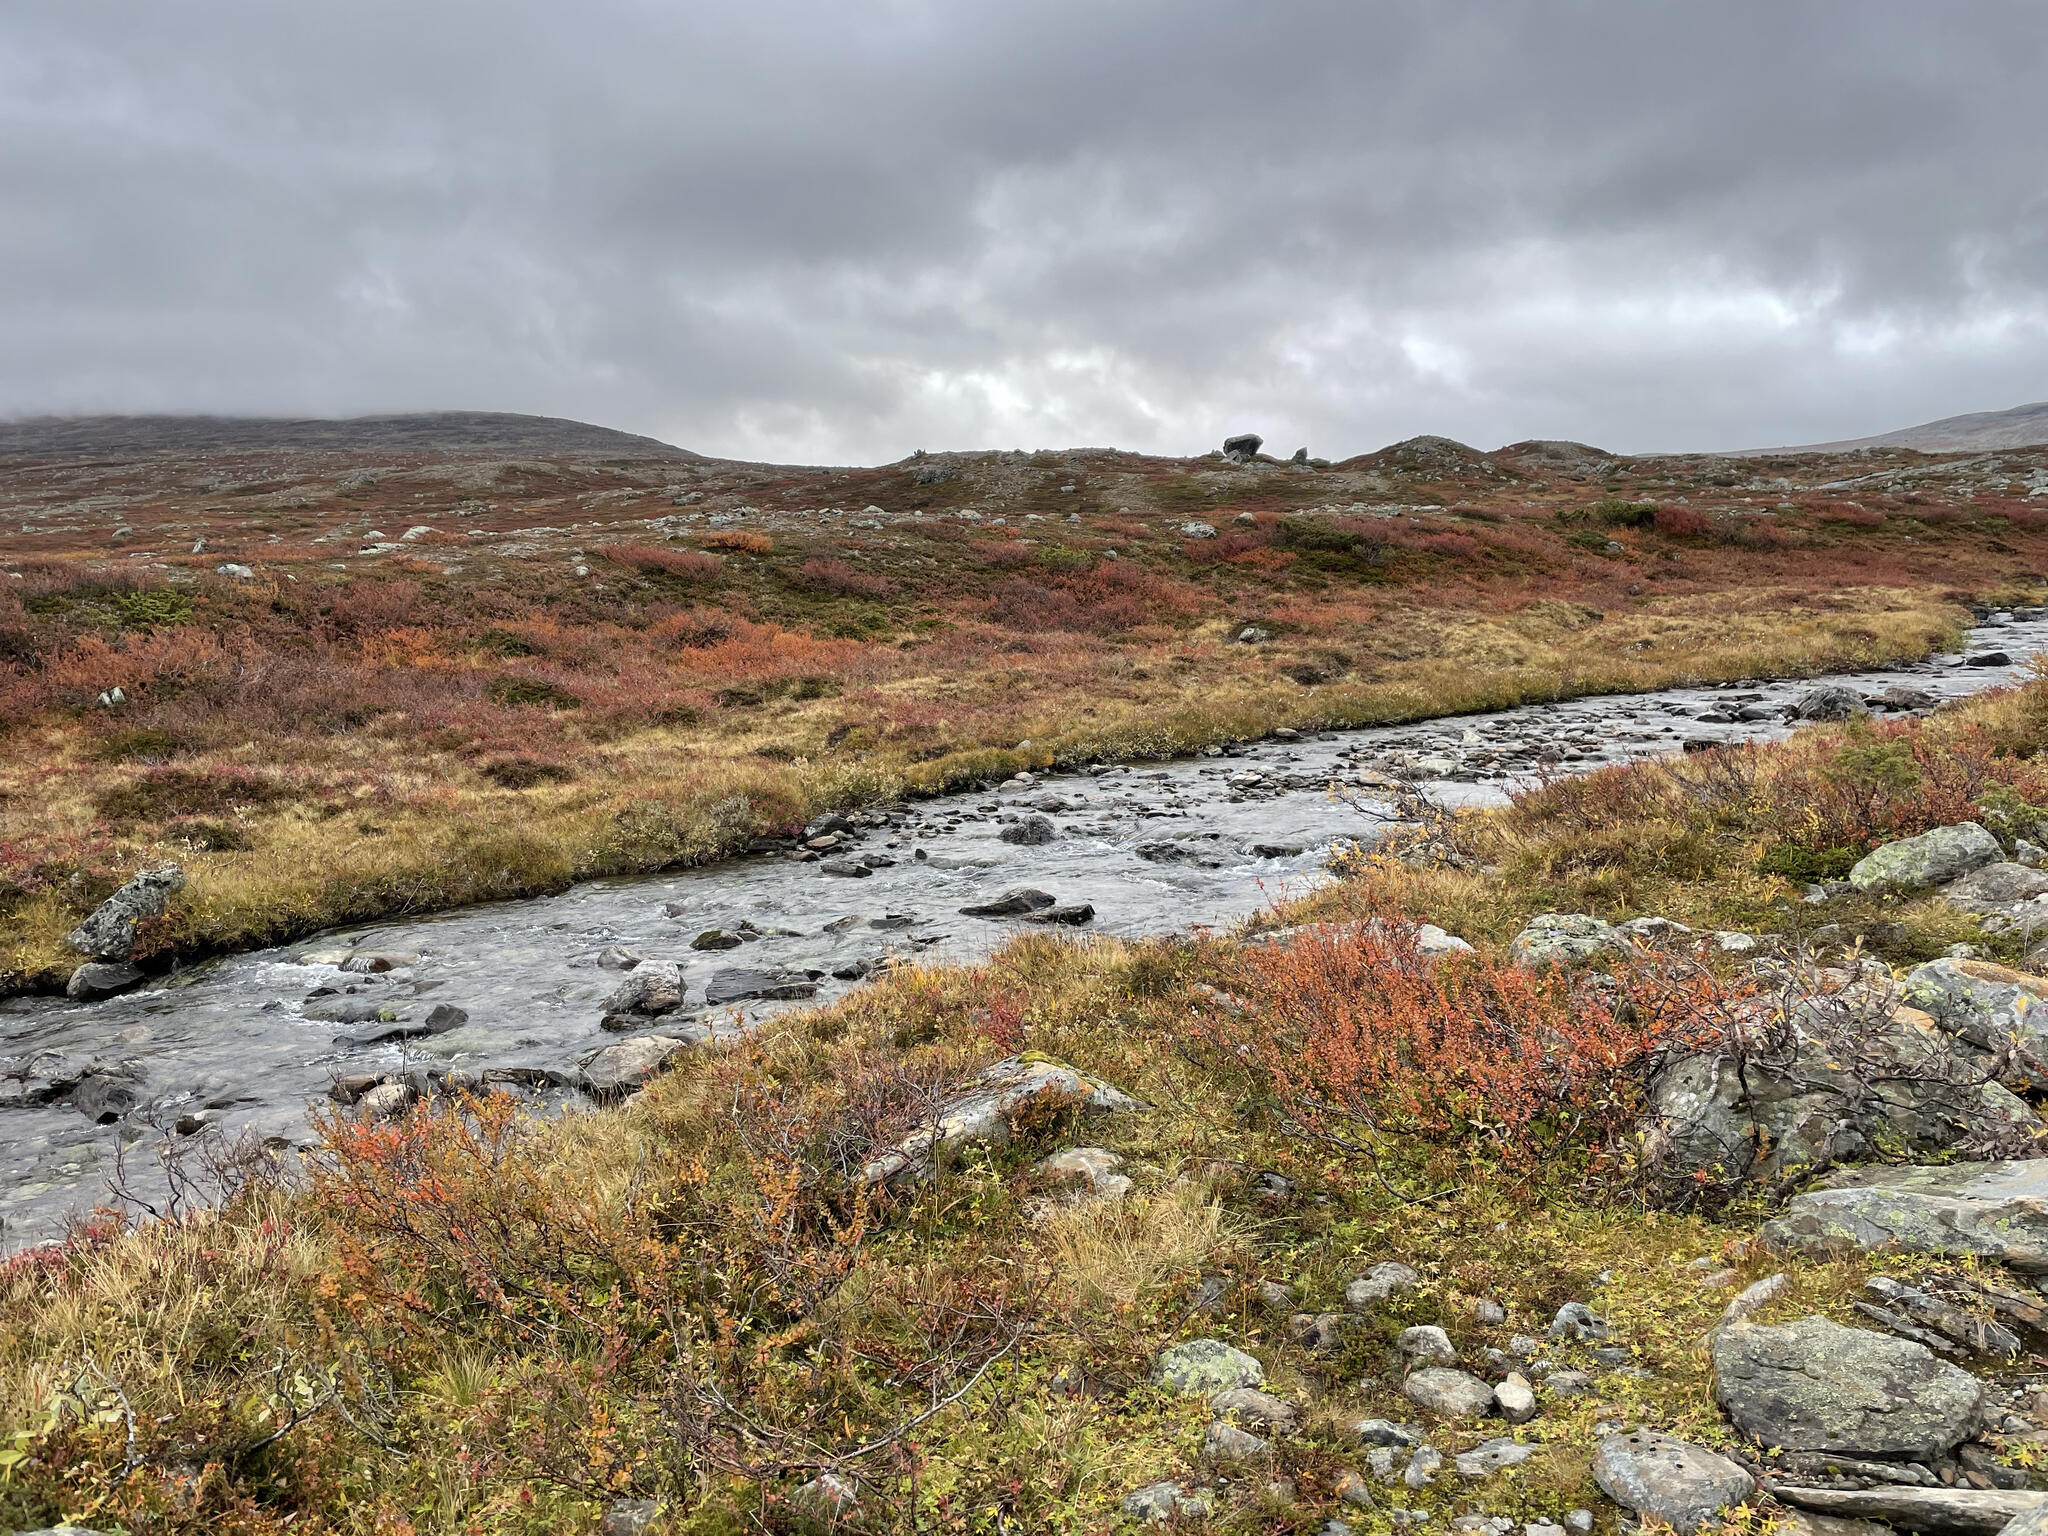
{"x":1849,"y":512}
{"x":842,"y":580}
{"x":739,"y":542}
{"x":661,"y":560}
{"x":1681,"y":522}
{"x":1356,"y":1038}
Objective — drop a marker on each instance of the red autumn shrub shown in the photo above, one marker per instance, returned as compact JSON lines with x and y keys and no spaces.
{"x":842,"y":580}
{"x":1849,"y":512}
{"x":742,"y":543}
{"x":1356,"y":1039}
{"x":1001,"y":555}
{"x":1681,"y":522}
{"x":659,"y":559}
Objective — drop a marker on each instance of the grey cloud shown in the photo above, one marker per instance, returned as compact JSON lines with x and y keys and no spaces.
{"x":799,"y":229}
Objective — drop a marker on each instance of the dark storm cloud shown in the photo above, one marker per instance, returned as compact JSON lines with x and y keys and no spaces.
{"x":843,"y":230}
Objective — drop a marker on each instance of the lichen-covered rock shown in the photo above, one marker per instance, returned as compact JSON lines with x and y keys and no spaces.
{"x":1491,"y":1456}
{"x":1377,"y":1284}
{"x":1448,"y":1393}
{"x":1562,"y":938}
{"x":1996,"y":1211}
{"x":1516,"y":1398}
{"x":1998,"y":888}
{"x":109,"y":934}
{"x":1984,"y":1004}
{"x":1427,"y":1342}
{"x":1157,"y":1503}
{"x":1205,"y":1367}
{"x":1831,"y":1080}
{"x":1225,"y":1445}
{"x":1932,"y":858}
{"x":1259,"y":1409}
{"x":1674,"y":1480}
{"x":1097,"y":1171}
{"x":982,"y":1111}
{"x":1938,"y":1511}
{"x":1814,"y":1385}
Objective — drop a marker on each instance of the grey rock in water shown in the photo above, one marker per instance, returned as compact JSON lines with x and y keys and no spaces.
{"x":1668,"y":1478}
{"x":1448,"y":1393}
{"x":1012,"y":903}
{"x":1814,"y":1385}
{"x":1932,"y":858}
{"x":100,"y":978}
{"x":738,"y":986}
{"x":1996,"y":1211}
{"x":617,"y":1070}
{"x":1938,"y":1511}
{"x":1205,"y":1367}
{"x":1830,"y":701}
{"x":109,"y":934}
{"x":386,"y":1101}
{"x":1076,"y":915}
{"x":652,"y":988}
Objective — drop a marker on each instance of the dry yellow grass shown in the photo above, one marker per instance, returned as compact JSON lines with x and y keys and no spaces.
{"x":422,"y":836}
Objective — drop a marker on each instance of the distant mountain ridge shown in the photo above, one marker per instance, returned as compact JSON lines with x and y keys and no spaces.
{"x":492,"y":432}
{"x":2024,"y":426}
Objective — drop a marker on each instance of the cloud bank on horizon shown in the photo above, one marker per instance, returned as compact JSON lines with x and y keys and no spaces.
{"x":834,"y":232}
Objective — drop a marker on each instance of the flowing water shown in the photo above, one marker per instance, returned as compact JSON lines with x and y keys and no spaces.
{"x":238,"y":1044}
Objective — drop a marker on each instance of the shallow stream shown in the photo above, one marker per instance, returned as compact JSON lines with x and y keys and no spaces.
{"x":239,"y":1043}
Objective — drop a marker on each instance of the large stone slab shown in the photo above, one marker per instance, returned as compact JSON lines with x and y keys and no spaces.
{"x":617,"y":1070}
{"x":1938,"y":1511}
{"x":1674,"y":1480}
{"x":1814,"y":1385}
{"x":1984,"y":1004}
{"x":1932,"y":858}
{"x":1838,"y":1078}
{"x":1988,"y":1210}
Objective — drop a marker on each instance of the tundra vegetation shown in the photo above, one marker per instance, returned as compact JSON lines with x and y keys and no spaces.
{"x":463,"y":1320}
{"x":335,"y":688}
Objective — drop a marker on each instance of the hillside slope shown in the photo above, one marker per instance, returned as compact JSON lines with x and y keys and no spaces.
{"x":2024,"y":426}
{"x":420,"y":432}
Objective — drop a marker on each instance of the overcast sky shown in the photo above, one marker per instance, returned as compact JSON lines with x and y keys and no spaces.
{"x":838,"y":230}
